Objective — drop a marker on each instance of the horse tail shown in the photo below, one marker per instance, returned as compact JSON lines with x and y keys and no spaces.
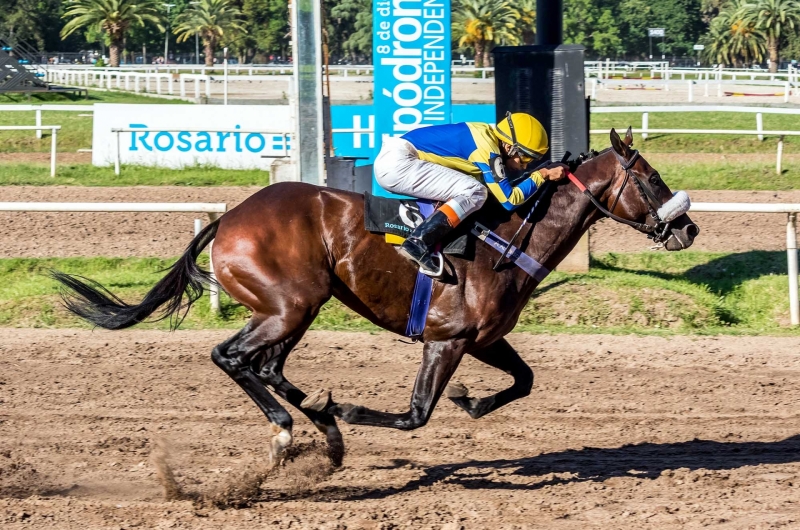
{"x":96,"y":304}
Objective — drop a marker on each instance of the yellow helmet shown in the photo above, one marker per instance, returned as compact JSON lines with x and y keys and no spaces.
{"x":524,"y":134}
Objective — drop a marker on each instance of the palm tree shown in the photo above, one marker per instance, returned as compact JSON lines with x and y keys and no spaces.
{"x":747,"y":42}
{"x":526,"y":28}
{"x":772,"y":17}
{"x":480,"y":24}
{"x":732,"y":39}
{"x":114,"y":17}
{"x":717,"y":41}
{"x":211,"y":19}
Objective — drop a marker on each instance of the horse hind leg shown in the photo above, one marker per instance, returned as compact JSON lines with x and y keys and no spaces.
{"x":271,"y":373}
{"x":439,"y":362}
{"x":235,"y":357}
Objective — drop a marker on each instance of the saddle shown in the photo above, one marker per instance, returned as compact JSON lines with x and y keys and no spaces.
{"x":397,"y":218}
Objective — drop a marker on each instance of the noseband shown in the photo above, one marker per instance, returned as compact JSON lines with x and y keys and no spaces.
{"x":657,"y":231}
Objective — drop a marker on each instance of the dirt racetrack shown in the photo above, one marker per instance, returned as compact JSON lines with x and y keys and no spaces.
{"x":619,"y":432}
{"x":44,"y":234}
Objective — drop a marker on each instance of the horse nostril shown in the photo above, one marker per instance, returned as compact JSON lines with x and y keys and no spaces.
{"x":691,"y":231}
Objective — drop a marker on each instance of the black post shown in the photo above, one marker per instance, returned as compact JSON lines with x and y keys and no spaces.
{"x":549,"y":22}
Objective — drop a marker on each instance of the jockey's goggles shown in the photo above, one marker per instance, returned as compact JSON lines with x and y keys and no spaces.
{"x":526,"y":157}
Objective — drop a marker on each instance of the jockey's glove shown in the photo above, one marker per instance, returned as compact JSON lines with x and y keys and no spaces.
{"x":555,"y":172}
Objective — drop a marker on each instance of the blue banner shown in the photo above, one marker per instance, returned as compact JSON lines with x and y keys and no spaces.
{"x":350,"y":120}
{"x":411,"y":54}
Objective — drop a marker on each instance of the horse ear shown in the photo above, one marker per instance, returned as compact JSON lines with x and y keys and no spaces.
{"x":618,"y":145}
{"x":629,"y":136}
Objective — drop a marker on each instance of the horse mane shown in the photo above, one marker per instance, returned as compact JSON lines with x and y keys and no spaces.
{"x":582,"y":158}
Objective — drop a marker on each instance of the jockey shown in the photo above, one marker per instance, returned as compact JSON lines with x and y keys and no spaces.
{"x":455,"y":164}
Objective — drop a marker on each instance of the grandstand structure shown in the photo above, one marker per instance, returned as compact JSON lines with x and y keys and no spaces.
{"x":21,"y":71}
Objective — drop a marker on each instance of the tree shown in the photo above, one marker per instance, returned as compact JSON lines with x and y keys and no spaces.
{"x":114,"y":17}
{"x":349,"y":24}
{"x":682,"y":20}
{"x":732,"y":40}
{"x":212,"y":20}
{"x":772,"y":17}
{"x":480,"y":24}
{"x":594,"y":25}
{"x":267,"y":26}
{"x":526,"y":27}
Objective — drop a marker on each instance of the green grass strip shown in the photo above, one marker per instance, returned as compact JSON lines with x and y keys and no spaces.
{"x":721,"y":175}
{"x":648,"y":293}
{"x":715,"y":175}
{"x":88,"y":175}
{"x":95,"y":96}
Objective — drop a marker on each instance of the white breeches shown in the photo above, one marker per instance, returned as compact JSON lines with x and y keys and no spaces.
{"x":399,"y":169}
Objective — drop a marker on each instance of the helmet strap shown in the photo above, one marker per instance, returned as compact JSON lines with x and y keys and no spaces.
{"x":515,"y":147}
{"x":514,"y":144}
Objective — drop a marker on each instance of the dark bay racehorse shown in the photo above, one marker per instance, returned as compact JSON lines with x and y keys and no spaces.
{"x":290,"y":247}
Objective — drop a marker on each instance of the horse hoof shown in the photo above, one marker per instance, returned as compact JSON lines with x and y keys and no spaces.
{"x":456,"y":390}
{"x":319,"y":401}
{"x":281,"y":440}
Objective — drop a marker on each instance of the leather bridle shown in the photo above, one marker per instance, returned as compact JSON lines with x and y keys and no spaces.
{"x":657,"y":231}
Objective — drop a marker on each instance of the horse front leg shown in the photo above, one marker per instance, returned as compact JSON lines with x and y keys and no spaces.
{"x":502,"y":356}
{"x":439,"y":362}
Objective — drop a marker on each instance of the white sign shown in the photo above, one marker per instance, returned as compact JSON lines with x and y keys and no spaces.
{"x":698,"y":47}
{"x":187,"y":135}
{"x":655,"y":32}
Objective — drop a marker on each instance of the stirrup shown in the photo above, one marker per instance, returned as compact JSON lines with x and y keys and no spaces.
{"x":438,"y":271}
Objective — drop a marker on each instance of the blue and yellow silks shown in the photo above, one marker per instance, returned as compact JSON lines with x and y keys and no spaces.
{"x":469,"y":148}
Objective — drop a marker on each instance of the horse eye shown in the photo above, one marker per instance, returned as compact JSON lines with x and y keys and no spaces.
{"x":654,"y":179}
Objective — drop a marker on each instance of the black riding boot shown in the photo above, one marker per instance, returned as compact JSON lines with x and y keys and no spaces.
{"x":421,"y":244}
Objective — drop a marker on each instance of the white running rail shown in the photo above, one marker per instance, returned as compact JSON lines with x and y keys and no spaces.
{"x":214,"y":211}
{"x":791,"y":211}
{"x":53,"y":138}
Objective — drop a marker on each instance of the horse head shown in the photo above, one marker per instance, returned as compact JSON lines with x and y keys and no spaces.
{"x":636,"y":195}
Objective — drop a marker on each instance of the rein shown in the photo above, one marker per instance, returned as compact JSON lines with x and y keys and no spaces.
{"x":657,"y":231}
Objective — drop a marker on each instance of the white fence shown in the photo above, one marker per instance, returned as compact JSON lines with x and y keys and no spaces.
{"x":593,"y":68}
{"x":53,"y":139}
{"x":791,"y":239}
{"x":598,"y":75}
{"x":214,"y":210}
{"x":38,"y":109}
{"x":667,"y":85}
{"x":606,"y":69}
{"x":111,"y":78}
{"x":759,"y":131}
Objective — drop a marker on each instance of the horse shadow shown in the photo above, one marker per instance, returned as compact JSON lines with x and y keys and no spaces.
{"x":724,"y":274}
{"x":589,"y":464}
{"x":721,"y":275}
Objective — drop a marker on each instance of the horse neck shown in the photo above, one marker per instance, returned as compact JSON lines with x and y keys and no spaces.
{"x":570,"y":214}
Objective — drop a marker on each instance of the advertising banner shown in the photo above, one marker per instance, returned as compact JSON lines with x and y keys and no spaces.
{"x":411,"y":55}
{"x":186,"y":135}
{"x":354,"y":125}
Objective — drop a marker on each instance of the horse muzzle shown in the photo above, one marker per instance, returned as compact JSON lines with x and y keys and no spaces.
{"x":681,"y":229}
{"x":681,"y":236}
